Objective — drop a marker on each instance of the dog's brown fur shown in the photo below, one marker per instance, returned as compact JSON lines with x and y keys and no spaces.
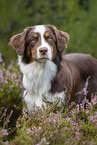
{"x":75,"y":70}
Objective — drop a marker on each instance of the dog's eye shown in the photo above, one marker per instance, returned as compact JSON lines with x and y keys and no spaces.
{"x":49,"y":38}
{"x":33,"y":40}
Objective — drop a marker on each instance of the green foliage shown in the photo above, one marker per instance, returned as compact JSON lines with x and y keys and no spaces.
{"x":77,"y":17}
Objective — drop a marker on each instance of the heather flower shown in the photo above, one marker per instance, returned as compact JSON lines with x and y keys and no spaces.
{"x":11,"y":86}
{"x":7,"y":73}
{"x":28,"y":131}
{"x":87,"y":112}
{"x":6,"y":82}
{"x":1,"y":76}
{"x":84,"y":90}
{"x":94,"y":100}
{"x":8,"y":118}
{"x":86,"y":87}
{"x":68,"y":119}
{"x":7,"y":142}
{"x":14,"y":106}
{"x":43,"y":140}
{"x":4,"y":132}
{"x":92,"y":143}
{"x":39,"y":128}
{"x":21,"y":87}
{"x":11,"y":66}
{"x":13,"y":76}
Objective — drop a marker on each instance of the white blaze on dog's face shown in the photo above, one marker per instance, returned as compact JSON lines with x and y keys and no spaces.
{"x":40,"y":43}
{"x":46,"y":41}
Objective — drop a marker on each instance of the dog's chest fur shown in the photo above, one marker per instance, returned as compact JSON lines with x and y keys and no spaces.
{"x":37,"y":79}
{"x":37,"y":76}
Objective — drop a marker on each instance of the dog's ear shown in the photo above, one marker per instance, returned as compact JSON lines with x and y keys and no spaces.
{"x":62,"y":40}
{"x":61,"y":37}
{"x":18,"y":41}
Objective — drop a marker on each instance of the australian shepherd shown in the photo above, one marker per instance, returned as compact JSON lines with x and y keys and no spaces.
{"x":47,"y":72}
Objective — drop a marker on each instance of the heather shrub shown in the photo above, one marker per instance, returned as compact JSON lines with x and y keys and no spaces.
{"x":76,"y":126}
{"x":10,"y":97}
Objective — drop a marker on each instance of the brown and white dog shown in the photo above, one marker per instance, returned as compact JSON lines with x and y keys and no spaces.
{"x":46,"y":72}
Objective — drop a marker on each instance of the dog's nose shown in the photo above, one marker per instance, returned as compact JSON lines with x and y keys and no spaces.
{"x":43,"y":50}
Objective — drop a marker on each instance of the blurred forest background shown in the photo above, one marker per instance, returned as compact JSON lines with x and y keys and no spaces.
{"x":77,"y":17}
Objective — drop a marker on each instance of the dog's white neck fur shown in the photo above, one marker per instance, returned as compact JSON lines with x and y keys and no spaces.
{"x":37,"y":76}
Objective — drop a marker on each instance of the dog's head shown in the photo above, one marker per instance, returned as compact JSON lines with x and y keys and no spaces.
{"x":41,"y":42}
